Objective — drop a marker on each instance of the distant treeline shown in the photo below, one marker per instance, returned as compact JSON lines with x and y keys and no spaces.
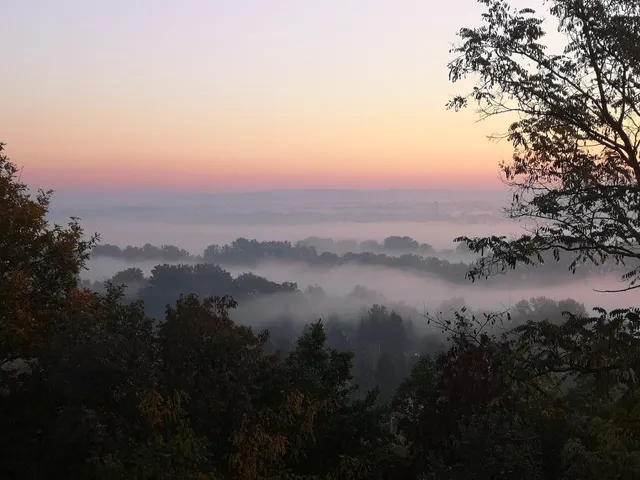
{"x":250,"y":253}
{"x":392,"y":245}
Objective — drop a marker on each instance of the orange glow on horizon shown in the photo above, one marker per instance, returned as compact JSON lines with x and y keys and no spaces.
{"x":123,"y":178}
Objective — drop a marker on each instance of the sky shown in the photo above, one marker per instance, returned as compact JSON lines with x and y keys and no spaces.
{"x":237,"y":95}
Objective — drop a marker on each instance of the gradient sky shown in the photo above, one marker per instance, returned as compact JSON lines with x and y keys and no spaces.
{"x":236,"y":95}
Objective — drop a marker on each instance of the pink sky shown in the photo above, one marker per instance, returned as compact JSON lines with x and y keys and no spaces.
{"x":240,"y":95}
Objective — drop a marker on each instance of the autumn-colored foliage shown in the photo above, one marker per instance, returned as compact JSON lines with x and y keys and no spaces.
{"x":92,"y":387}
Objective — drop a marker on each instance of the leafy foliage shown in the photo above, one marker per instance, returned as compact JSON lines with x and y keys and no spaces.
{"x":575,"y":170}
{"x":91,"y":387}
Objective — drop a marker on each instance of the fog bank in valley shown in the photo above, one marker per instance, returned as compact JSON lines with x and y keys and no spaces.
{"x":418,"y":292}
{"x":400,"y":286}
{"x":195,"y":221}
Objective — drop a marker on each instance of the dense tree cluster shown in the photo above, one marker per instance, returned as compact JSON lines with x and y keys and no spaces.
{"x":382,"y":334}
{"x":91,"y":389}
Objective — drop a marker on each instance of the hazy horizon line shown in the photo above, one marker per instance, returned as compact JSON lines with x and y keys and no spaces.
{"x":143,"y":190}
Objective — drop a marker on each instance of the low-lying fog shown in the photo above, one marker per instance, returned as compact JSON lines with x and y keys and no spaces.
{"x":196,"y":221}
{"x":407,"y":287}
{"x":418,"y":291}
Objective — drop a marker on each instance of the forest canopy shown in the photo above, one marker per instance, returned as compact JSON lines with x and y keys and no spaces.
{"x":165,"y":384}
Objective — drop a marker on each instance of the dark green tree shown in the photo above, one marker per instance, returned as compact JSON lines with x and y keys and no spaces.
{"x":131,"y":277}
{"x":349,"y":438}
